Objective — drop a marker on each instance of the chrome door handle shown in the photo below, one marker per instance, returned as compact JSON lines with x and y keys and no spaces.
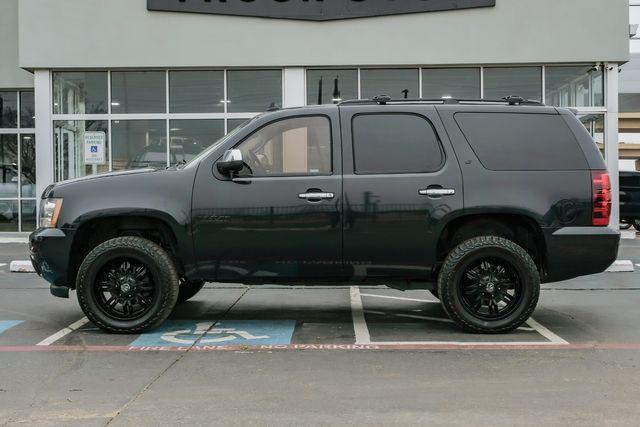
{"x":316,"y":196}
{"x":437,"y":192}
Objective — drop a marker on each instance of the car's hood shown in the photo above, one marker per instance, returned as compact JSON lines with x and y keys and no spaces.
{"x":106,"y":175}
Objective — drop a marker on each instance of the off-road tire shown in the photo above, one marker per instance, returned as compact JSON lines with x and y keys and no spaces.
{"x":159,"y":263}
{"x":474,"y":249}
{"x":189,"y":289}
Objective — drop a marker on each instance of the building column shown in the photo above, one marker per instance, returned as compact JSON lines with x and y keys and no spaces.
{"x":612,"y":139}
{"x":44,"y":131}
{"x":295,"y":92}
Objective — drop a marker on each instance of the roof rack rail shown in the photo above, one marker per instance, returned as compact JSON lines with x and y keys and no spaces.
{"x":386,"y":99}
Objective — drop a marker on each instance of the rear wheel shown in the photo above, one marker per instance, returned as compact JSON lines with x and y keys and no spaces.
{"x":489,"y":285}
{"x":189,"y":289}
{"x":127,"y":285}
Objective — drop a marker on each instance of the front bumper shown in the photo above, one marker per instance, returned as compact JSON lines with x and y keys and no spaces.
{"x":50,"y":249}
{"x":579,"y":251}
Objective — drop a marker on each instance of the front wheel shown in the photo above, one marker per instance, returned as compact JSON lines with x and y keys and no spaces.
{"x":127,"y":285}
{"x":489,"y":285}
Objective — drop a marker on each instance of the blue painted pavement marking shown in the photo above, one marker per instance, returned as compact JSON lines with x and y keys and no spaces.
{"x":185,"y":333}
{"x":8,"y":324}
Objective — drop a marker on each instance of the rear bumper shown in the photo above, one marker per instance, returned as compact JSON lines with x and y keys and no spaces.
{"x":579,"y":251}
{"x":49,"y":249}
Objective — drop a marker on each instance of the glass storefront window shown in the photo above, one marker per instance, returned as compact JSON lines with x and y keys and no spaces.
{"x":139,"y":144}
{"x":9,"y":216}
{"x":196,"y":91}
{"x":190,"y":137}
{"x":70,"y":139}
{"x":80,"y":92}
{"x":8,"y":109}
{"x":253,"y":91}
{"x":235,"y":123}
{"x":581,"y":86}
{"x":517,"y":81}
{"x":28,"y":222}
{"x":29,"y":212}
{"x":457,"y":83}
{"x":331,"y":86}
{"x":397,"y":83}
{"x":138,"y":92}
{"x":27,"y":110}
{"x":28,"y":165}
{"x":8,"y":166}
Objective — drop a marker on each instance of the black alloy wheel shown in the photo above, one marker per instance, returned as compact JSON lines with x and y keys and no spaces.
{"x":489,"y":285}
{"x":125,"y":289}
{"x":127,"y":285}
{"x":490,"y":288}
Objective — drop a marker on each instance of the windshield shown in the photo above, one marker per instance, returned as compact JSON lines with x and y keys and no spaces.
{"x":214,"y":146}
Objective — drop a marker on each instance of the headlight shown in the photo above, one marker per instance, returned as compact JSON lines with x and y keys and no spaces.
{"x":49,"y":212}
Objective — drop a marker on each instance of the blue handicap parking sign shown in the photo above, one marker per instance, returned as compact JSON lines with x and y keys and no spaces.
{"x":187,"y":333}
{"x":8,"y":324}
{"x":94,"y":148}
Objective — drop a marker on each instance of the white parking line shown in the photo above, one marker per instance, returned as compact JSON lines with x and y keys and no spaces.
{"x":546,"y":332}
{"x":357,"y":313}
{"x":401,"y":298}
{"x":63,"y":332}
{"x":409,"y":316}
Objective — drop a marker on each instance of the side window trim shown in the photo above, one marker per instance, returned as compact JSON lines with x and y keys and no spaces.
{"x":294,"y":175}
{"x":443,"y":154}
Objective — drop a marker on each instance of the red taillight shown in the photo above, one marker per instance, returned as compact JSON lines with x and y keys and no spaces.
{"x":601,"y":191}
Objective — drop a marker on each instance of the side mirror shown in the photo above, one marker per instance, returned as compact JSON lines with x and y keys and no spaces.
{"x":231,"y":162}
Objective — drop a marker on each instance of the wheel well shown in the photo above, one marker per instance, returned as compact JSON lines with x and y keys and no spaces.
{"x":97,"y":231}
{"x":520,"y":229}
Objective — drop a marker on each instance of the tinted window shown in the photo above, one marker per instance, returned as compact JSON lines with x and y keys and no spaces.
{"x":138,"y":92}
{"x":196,"y":91}
{"x":395,"y":143}
{"x":77,"y":92}
{"x":253,"y":90}
{"x":298,"y":146}
{"x":504,"y":141}
{"x":461,"y":83}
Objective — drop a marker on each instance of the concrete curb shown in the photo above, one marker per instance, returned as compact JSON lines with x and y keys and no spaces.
{"x":21,"y":267}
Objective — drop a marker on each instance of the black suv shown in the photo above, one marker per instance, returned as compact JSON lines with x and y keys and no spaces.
{"x":478,"y":202}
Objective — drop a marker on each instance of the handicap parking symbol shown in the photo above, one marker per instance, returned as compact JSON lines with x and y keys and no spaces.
{"x":8,"y":324}
{"x":182,"y":333}
{"x":94,"y":148}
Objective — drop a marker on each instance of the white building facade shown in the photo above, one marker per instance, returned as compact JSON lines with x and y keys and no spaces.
{"x":89,"y":86}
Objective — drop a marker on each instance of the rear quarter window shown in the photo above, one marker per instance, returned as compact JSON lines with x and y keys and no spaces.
{"x":512,"y":141}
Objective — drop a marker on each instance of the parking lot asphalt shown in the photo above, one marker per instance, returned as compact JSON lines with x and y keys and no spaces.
{"x":271,"y":355}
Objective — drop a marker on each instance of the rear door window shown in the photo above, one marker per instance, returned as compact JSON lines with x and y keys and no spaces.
{"x":394,"y":144}
{"x":510,"y":141}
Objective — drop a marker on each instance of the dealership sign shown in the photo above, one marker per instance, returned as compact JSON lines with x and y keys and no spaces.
{"x":313,"y":10}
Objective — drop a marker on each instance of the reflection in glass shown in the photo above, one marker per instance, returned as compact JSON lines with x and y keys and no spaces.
{"x":27,"y":110}
{"x":595,"y":126}
{"x":297,"y":146}
{"x":331,"y":86}
{"x":77,"y":92}
{"x":525,"y":82}
{"x":457,"y":83}
{"x":8,"y":109}
{"x":581,"y":86}
{"x":139,"y":144}
{"x":190,"y":137}
{"x":8,"y":215}
{"x":397,"y":83}
{"x":138,"y":92}
{"x":253,"y":91}
{"x":29,"y":215}
{"x":69,"y":148}
{"x":196,"y":91}
{"x":28,"y":165}
{"x":8,"y":166}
